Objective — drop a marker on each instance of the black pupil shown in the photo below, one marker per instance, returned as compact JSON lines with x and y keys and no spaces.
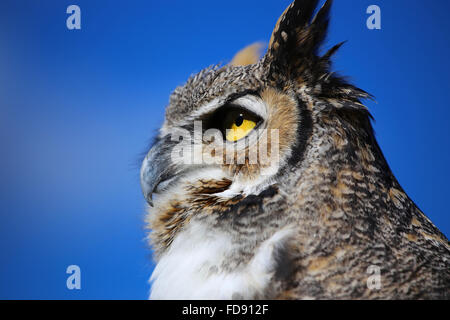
{"x":239,"y":120}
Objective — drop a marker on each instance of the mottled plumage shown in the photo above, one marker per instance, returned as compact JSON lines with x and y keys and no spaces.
{"x":308,"y":226}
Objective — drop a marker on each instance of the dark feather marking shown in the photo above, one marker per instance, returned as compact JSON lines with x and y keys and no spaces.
{"x":250,"y":202}
{"x":304,"y":131}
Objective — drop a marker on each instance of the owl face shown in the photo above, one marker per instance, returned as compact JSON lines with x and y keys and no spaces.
{"x":232,"y":131}
{"x":240,"y":133}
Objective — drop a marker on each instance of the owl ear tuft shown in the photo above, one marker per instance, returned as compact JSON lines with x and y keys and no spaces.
{"x":249,"y":55}
{"x":297,"y":36}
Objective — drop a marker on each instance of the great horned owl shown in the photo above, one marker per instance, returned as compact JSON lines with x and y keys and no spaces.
{"x":322,"y":220}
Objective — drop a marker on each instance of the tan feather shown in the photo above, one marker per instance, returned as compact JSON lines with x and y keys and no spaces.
{"x":249,"y":55}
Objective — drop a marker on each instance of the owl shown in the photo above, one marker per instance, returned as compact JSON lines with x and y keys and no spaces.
{"x":266,"y":182}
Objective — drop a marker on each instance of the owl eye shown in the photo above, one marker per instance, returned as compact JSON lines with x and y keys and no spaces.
{"x":238,"y":124}
{"x":233,"y":121}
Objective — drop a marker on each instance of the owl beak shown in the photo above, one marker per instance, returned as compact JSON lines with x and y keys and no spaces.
{"x":148,"y":184}
{"x":155,"y":169}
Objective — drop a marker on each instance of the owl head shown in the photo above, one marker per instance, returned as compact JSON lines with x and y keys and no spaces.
{"x":235,"y":132}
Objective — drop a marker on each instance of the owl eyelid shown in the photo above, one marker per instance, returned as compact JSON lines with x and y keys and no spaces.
{"x":249,"y":101}
{"x":252,"y":104}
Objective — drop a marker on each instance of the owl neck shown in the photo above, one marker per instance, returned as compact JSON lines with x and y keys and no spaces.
{"x":344,"y":176}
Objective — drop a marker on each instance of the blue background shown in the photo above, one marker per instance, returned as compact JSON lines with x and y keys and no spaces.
{"x":77,"y":108}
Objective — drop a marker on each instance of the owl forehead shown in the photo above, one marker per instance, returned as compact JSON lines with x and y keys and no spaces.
{"x":210,"y":84}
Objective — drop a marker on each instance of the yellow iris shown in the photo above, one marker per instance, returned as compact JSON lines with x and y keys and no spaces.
{"x":238,"y":125}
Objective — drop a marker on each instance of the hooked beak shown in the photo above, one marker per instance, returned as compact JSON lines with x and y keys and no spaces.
{"x":155,"y":169}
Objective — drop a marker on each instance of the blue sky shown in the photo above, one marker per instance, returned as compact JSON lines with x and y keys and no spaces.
{"x":77,"y":107}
